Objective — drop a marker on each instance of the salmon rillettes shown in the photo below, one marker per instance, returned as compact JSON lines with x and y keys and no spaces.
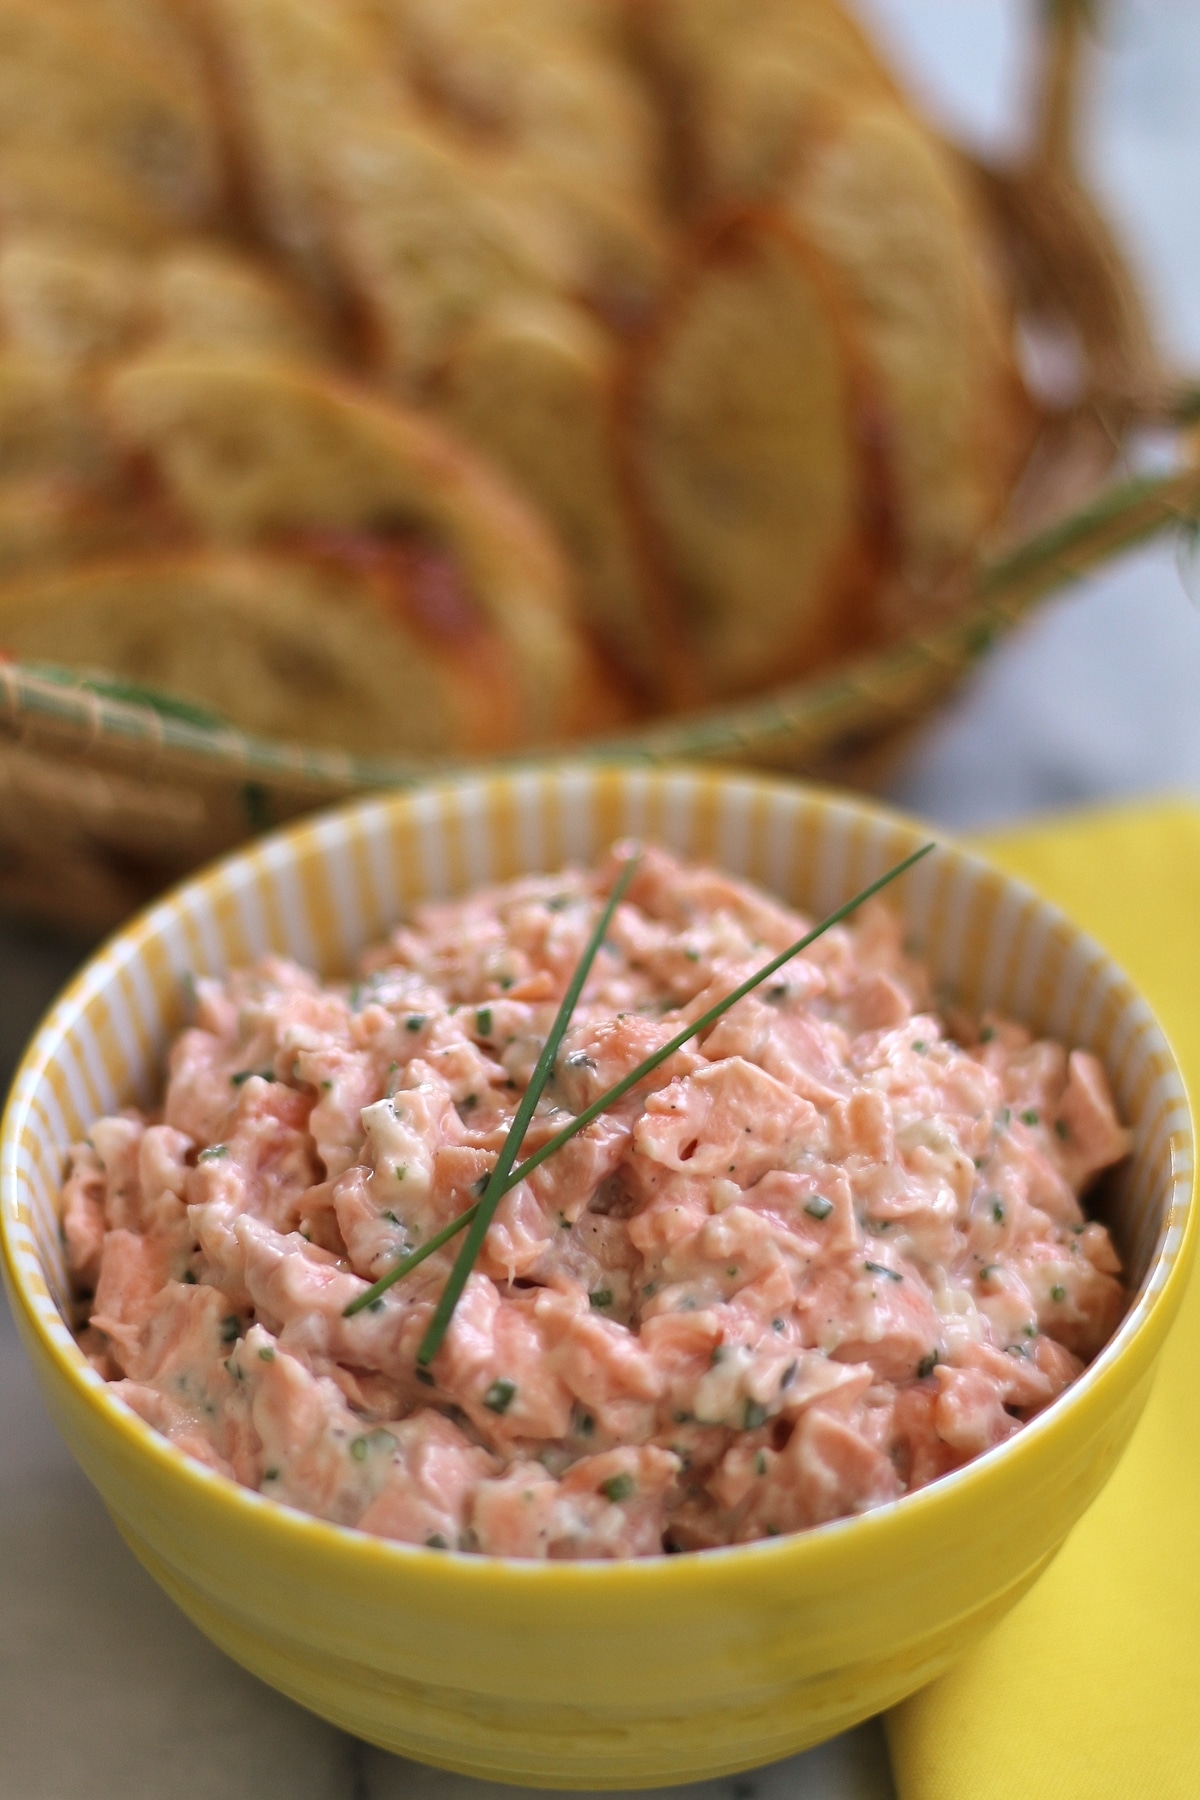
{"x":826,"y":1253}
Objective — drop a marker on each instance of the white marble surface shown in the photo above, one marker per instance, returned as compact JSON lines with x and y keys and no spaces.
{"x":106,"y":1693}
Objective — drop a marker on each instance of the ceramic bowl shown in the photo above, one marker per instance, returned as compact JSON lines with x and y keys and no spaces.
{"x":594,"y":1674}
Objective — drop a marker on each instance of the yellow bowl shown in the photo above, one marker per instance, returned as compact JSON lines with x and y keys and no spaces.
{"x":587,"y":1674}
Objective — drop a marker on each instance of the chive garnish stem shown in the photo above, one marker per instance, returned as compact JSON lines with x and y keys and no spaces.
{"x":582,"y":1120}
{"x":498,"y":1181}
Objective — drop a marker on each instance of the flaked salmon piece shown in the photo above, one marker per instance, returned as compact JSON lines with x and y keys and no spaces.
{"x":600,"y":1362}
{"x":315,"y":1454}
{"x":347,"y":1082}
{"x":871,"y":1308}
{"x":730,"y":1120}
{"x":176,"y":1423}
{"x":827,"y":1468}
{"x":117,"y":1142}
{"x":427,"y":1492}
{"x":132,"y":1271}
{"x":779,"y":1034}
{"x":598,"y":1054}
{"x":567,"y":1184}
{"x":493,"y":1360}
{"x":918,"y":1453}
{"x":517,"y":1514}
{"x":969,"y":1413}
{"x":1090,"y":1135}
{"x":83,"y":1221}
{"x":372,"y":1235}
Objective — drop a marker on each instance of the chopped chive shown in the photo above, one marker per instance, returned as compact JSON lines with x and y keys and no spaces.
{"x":266,"y":1354}
{"x":1029,"y":1116}
{"x":617,"y":1488}
{"x":1058,"y":1292}
{"x":818,"y":1207}
{"x":414,"y":1021}
{"x":920,"y":1046}
{"x":878,"y":1269}
{"x":495,"y":1190}
{"x":213,"y":1152}
{"x":358,"y":1449}
{"x":497,"y":1182}
{"x":483,"y":1021}
{"x":987,"y":1034}
{"x":1062,"y":1129}
{"x":270,"y":1474}
{"x":435,"y":1541}
{"x":998,"y":1211}
{"x":927,"y":1365}
{"x":500,"y":1395}
{"x":760,"y":1463}
{"x":600,"y":1298}
{"x":754,"y":1416}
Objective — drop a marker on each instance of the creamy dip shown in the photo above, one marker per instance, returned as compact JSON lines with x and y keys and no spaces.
{"x":820,"y":1258}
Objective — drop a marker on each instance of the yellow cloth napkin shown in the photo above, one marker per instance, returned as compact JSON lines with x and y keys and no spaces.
{"x":1088,"y":1690}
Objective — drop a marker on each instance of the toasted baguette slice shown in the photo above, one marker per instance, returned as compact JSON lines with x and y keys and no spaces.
{"x":885,"y":204}
{"x":66,"y":86}
{"x":742,"y":83}
{"x":749,"y":439}
{"x":283,"y":646}
{"x":533,"y":385}
{"x":254,"y":451}
{"x":427,"y":244}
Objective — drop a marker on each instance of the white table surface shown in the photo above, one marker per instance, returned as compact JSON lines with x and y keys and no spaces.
{"x":106,"y":1692}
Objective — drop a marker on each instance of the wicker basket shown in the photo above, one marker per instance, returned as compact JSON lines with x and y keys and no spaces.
{"x":107,"y":794}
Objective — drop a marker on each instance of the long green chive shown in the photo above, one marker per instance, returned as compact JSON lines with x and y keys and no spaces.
{"x":583,"y":1120}
{"x":498,"y":1180}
